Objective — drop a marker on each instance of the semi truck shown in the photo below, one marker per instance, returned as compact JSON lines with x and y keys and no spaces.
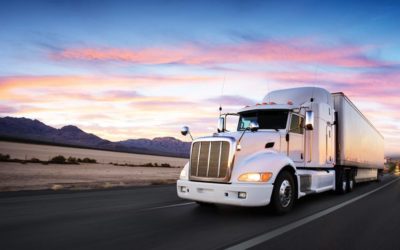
{"x":296,"y":142}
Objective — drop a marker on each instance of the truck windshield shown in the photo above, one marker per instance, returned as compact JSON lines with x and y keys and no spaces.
{"x":267,"y":119}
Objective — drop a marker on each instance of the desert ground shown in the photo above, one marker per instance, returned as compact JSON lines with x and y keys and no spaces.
{"x":34,"y":176}
{"x":45,"y":152}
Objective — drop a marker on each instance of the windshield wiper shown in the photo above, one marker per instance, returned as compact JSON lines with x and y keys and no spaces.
{"x":276,"y":129}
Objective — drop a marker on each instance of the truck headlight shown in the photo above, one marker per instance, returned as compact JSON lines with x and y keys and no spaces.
{"x":255,"y":177}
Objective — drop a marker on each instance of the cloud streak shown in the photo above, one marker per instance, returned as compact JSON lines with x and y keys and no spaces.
{"x":232,"y":100}
{"x":265,"y":51}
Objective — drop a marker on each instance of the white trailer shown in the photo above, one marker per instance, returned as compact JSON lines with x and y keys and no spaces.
{"x":359,"y":144}
{"x":295,"y":142}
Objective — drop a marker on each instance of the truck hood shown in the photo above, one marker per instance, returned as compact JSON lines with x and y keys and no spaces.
{"x":254,"y":142}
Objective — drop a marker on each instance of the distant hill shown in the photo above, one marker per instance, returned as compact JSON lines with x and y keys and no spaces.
{"x":24,"y":129}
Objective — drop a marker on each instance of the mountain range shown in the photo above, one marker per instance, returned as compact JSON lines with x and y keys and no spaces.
{"x":28,"y":130}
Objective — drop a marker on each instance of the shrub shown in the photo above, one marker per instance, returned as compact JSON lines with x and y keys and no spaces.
{"x":165,"y":165}
{"x":35,"y":160}
{"x":87,"y":160}
{"x":72,"y":160}
{"x":391,"y":166}
{"x":4,"y":157}
{"x":58,"y":159}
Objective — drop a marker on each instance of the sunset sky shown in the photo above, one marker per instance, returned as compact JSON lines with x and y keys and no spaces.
{"x":126,"y":69}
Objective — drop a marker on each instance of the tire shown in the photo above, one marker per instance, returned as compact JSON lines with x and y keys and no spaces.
{"x":379,"y":176}
{"x":350,"y":181}
{"x":341,"y":181}
{"x":284,"y":193}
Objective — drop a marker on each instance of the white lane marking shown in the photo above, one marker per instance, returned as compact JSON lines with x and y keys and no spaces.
{"x":272,"y":234}
{"x":168,"y":206}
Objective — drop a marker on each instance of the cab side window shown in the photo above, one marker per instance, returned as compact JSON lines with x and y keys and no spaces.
{"x":296,"y":124}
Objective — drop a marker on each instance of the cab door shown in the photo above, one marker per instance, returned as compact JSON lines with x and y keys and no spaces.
{"x":296,"y":139}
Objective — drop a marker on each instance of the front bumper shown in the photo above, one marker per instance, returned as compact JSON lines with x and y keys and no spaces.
{"x":256,"y":194}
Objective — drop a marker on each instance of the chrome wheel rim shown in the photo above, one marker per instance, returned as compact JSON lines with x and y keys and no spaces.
{"x":285,"y":193}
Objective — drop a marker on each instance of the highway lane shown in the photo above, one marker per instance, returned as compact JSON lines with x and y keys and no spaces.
{"x":154,"y":218}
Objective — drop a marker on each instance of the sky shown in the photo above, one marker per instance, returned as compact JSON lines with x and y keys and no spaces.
{"x":142,"y":69}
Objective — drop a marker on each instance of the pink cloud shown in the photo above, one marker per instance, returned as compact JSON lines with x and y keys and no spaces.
{"x":121,"y":94}
{"x":5,"y":109}
{"x":232,"y":100}
{"x":377,"y":84}
{"x":255,"y":52}
{"x":164,"y":104}
{"x":25,"y":88}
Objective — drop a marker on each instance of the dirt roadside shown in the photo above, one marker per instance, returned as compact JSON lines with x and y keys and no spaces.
{"x":33,"y":176}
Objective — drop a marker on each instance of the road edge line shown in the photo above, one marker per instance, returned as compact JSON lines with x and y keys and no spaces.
{"x":168,"y":206}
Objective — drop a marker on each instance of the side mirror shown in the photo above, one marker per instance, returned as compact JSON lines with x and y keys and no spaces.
{"x":254,"y":126}
{"x":185,"y":130}
{"x":221,"y":124}
{"x":309,"y":120}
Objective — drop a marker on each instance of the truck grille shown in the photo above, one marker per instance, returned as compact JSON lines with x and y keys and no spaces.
{"x":209,"y":159}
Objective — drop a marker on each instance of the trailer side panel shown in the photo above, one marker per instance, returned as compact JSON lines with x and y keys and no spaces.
{"x":359,"y":142}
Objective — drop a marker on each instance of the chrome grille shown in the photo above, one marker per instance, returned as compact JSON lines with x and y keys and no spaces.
{"x":209,"y":160}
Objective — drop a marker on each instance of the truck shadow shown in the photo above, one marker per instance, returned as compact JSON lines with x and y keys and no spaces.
{"x":304,"y":206}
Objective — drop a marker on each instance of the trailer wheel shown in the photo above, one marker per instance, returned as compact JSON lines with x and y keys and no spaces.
{"x":379,"y":175}
{"x":284,"y":193}
{"x":341,"y":181}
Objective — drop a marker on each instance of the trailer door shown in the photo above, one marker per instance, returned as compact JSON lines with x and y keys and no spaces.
{"x":296,"y":139}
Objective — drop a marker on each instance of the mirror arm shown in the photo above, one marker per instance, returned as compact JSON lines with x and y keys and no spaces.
{"x":240,"y":138}
{"x":190,"y":135}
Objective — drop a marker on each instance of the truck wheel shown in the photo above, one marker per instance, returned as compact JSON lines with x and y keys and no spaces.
{"x":284,"y":193}
{"x":350,"y":180}
{"x":341,"y":181}
{"x":379,"y":176}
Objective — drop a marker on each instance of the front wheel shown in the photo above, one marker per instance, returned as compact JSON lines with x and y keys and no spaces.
{"x":284,"y":193}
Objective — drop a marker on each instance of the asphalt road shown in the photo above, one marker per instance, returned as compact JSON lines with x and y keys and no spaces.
{"x":155,"y":218}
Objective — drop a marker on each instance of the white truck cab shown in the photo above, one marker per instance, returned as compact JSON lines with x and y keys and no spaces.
{"x":295,"y":142}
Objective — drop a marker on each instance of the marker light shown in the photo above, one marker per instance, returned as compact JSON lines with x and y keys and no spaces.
{"x":242,"y":195}
{"x":255,"y":177}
